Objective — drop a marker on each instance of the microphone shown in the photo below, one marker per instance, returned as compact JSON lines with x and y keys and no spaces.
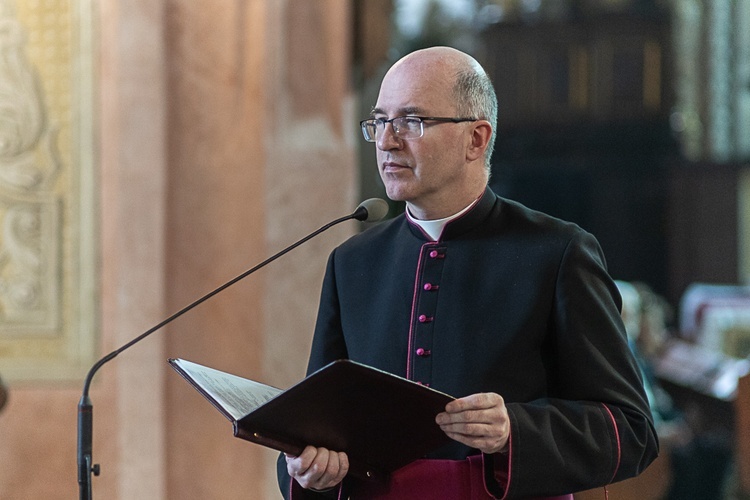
{"x":371,"y":210}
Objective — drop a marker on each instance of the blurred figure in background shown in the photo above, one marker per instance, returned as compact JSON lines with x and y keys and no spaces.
{"x":700,"y":455}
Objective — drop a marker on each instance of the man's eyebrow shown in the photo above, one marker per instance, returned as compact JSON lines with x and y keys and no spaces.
{"x":411,"y":110}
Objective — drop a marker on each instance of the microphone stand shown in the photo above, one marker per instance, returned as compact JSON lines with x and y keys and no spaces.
{"x":85,"y":406}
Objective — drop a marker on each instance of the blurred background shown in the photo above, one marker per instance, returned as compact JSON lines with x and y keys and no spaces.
{"x":151,"y":150}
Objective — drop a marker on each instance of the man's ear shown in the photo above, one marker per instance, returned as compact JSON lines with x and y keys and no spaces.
{"x":481,"y":133}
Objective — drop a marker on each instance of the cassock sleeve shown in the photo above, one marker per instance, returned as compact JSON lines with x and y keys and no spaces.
{"x":595,"y":427}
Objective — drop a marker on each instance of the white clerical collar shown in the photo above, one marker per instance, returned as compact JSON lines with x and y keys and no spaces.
{"x":434,"y":228}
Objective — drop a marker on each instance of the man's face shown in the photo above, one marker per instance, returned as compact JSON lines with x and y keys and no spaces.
{"x":424,"y":171}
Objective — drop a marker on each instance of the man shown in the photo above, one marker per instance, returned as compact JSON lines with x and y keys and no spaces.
{"x":507,"y":309}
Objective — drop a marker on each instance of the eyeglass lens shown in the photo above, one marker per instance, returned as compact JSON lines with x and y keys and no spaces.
{"x":405,"y":127}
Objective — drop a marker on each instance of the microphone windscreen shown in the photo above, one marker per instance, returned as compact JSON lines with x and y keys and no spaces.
{"x":376,"y":209}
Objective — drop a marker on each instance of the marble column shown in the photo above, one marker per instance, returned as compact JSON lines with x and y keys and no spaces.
{"x":224,"y":131}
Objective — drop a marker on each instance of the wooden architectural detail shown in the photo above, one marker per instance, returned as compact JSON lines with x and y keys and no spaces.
{"x":585,"y":71}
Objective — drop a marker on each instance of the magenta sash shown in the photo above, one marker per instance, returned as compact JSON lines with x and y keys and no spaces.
{"x":434,"y":479}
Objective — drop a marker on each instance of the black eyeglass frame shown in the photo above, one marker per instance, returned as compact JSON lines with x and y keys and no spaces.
{"x":376,"y":121}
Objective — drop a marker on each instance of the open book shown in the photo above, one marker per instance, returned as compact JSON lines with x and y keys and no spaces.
{"x":380,"y":420}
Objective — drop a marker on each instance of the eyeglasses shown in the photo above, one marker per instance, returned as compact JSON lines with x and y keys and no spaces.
{"x":405,"y":127}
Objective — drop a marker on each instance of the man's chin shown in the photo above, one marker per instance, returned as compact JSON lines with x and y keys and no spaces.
{"x":398,"y":191}
{"x":396,"y":195}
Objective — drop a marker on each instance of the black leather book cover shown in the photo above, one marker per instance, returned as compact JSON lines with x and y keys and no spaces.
{"x":380,"y":420}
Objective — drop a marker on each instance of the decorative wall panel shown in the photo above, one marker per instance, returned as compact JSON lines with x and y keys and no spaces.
{"x":48,"y":265}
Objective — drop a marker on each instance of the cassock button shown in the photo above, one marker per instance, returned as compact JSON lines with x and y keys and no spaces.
{"x":429,"y":286}
{"x":423,"y":318}
{"x":423,"y":352}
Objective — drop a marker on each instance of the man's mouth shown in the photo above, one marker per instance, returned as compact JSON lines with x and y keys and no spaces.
{"x":392,"y":166}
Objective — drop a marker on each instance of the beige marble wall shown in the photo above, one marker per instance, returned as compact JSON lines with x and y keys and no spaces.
{"x":216,"y":212}
{"x":225,"y":133}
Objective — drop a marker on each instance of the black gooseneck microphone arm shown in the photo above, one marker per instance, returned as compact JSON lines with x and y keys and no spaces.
{"x":370,"y":210}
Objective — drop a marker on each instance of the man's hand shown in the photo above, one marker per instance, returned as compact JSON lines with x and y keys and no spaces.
{"x":318,"y":468}
{"x":479,"y":421}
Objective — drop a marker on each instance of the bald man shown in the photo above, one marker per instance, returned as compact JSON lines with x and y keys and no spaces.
{"x":507,"y":309}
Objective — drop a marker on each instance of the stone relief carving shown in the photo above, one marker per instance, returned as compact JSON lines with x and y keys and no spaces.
{"x":29,"y":208}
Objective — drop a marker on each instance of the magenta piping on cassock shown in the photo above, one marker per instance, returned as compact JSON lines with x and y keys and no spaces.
{"x":617,"y":438}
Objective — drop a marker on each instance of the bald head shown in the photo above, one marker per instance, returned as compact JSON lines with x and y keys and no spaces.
{"x":438,"y":59}
{"x":460,"y":75}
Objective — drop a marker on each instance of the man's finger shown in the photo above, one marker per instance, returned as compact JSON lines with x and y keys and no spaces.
{"x":481,"y":401}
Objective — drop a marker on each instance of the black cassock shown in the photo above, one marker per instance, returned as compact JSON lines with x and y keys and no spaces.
{"x":510,"y":301}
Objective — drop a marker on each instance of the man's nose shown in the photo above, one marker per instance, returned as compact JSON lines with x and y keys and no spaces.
{"x":388,"y":138}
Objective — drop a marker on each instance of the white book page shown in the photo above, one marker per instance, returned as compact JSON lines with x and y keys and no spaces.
{"x":239,"y":396}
